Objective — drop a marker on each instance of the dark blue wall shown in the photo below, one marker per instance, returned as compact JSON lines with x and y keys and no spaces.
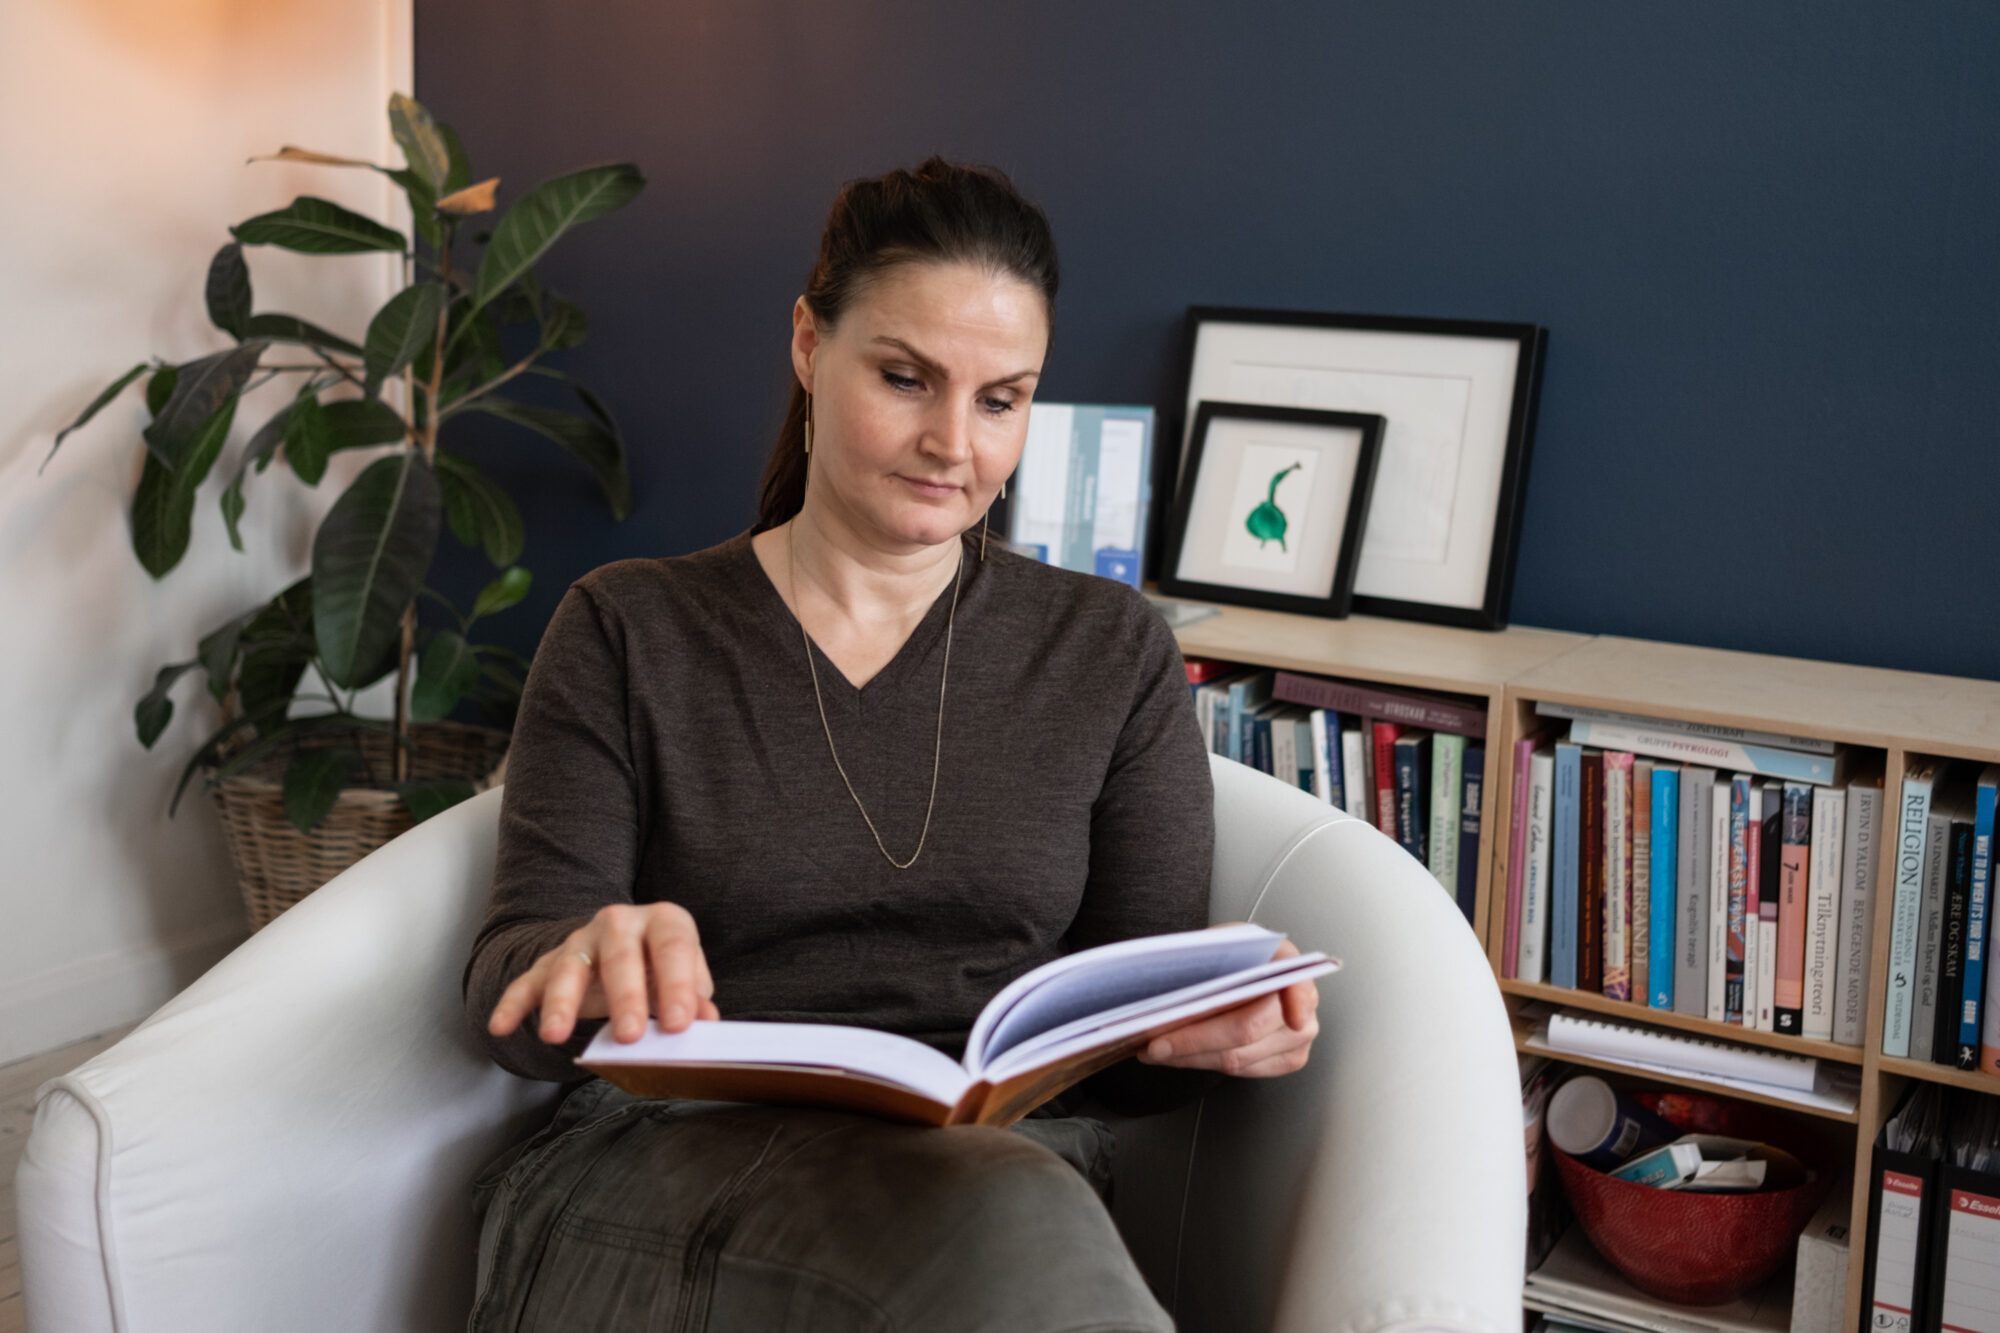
{"x":1765,"y":239}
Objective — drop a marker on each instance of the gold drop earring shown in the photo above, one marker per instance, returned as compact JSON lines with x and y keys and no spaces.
{"x":809,"y":423}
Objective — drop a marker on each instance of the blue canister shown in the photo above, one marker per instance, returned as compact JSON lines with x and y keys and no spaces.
{"x":1602,"y":1127}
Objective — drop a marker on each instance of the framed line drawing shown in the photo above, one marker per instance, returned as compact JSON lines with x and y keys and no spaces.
{"x":1459,"y":397}
{"x":1273,"y":512}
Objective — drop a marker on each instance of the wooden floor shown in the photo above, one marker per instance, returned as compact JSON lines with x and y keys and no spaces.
{"x":18,"y":1082}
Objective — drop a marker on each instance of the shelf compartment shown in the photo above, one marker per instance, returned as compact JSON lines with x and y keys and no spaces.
{"x":1625,"y":1009}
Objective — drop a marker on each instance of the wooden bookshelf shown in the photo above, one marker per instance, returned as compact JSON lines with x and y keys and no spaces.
{"x":1893,"y":716}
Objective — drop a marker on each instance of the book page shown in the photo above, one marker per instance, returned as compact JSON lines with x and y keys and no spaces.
{"x":1110,"y":976}
{"x":879,"y":1055}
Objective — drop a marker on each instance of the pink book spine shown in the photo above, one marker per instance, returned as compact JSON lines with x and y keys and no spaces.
{"x":1517,"y":846}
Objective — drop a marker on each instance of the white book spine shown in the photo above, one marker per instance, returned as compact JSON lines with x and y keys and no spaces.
{"x":1829,"y":815}
{"x":1753,"y":952}
{"x":1322,"y":775}
{"x":1531,"y":958}
{"x":1353,"y":772}
{"x":1913,"y":808}
{"x":1284,"y":751}
{"x":1857,"y":908}
{"x":1718,"y":899}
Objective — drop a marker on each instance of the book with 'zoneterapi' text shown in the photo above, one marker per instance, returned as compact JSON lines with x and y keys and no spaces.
{"x":1062,"y":1022}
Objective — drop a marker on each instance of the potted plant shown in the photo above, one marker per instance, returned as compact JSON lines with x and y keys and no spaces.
{"x":306,"y":783}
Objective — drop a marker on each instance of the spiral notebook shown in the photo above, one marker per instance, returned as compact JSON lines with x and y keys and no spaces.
{"x":1795,"y":1078}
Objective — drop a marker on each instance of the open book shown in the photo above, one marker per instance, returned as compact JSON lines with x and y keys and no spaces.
{"x":1063,"y":1021}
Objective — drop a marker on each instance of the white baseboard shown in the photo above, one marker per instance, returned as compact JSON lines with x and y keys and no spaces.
{"x":69,"y":1003}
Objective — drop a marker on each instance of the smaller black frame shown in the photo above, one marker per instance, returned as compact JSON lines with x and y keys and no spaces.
{"x":1339,"y":597}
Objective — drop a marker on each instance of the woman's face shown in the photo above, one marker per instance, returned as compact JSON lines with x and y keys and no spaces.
{"x":919,"y":399}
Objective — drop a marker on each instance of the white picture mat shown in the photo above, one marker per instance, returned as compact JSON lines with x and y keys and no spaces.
{"x":1447,"y":401}
{"x":1239,"y":458}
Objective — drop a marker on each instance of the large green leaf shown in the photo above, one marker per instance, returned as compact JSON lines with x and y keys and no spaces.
{"x":404,"y":326}
{"x":160,"y":389}
{"x":424,"y":799}
{"x":307,"y":440}
{"x":228,"y":291}
{"x":593,"y":439}
{"x":503,"y":592}
{"x":445,"y":671}
{"x":423,"y":204}
{"x":370,"y":557}
{"x":318,"y":430}
{"x":543,"y":214}
{"x":163,"y":503}
{"x":417,"y":135}
{"x":292,"y":329}
{"x":277,"y":646}
{"x":153,"y":712}
{"x":316,"y":226}
{"x":199,"y":393}
{"x":257,"y":453}
{"x":217,"y":652}
{"x":480,"y":512}
{"x":460,"y":174}
{"x":97,"y":405}
{"x":232,"y":512}
{"x":313,"y":780}
{"x":565,"y":326}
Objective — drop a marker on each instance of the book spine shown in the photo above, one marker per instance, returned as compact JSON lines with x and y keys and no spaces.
{"x":1563,"y":887}
{"x":1245,"y":697}
{"x":1829,"y":829}
{"x":1755,"y":1014}
{"x":1590,"y":875}
{"x":1772,"y":844}
{"x":1665,"y":848}
{"x":1322,"y":785}
{"x":1979,"y":905}
{"x":1412,"y":829}
{"x":1906,"y":907}
{"x":1354,"y":771}
{"x":1766,"y":759}
{"x":1410,"y":710}
{"x":1471,"y":817}
{"x":1386,"y":734}
{"x":1311,"y":757}
{"x":1517,"y":847}
{"x":1951,"y":947}
{"x":1718,"y":900}
{"x":1536,"y":867}
{"x":1691,"y":893}
{"x":1737,"y":951}
{"x":1859,"y":854}
{"x":1447,"y":775}
{"x":1807,"y":744}
{"x":1793,"y":869}
{"x":1639,"y":877}
{"x":1930,"y":934}
{"x":1618,"y":876}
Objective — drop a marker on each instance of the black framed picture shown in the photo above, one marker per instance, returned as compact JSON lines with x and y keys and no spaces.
{"x":1459,"y":398}
{"x":1274,"y":508}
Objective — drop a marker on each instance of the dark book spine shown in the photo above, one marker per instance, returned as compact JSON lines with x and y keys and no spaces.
{"x":1412,"y":710}
{"x":1945,"y":1049}
{"x":1590,"y":877}
{"x":1472,"y":785}
{"x":1794,"y":869}
{"x":1412,"y":818}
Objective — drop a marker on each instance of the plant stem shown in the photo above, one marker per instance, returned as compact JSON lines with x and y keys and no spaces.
{"x":402,"y":728}
{"x":465,"y":399}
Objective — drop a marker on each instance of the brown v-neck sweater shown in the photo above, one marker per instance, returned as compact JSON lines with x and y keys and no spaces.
{"x":669,"y":748}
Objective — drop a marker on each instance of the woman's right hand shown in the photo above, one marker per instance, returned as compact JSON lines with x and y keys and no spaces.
{"x":628,"y":961}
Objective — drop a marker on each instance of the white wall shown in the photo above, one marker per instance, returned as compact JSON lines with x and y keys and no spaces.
{"x":122,"y":163}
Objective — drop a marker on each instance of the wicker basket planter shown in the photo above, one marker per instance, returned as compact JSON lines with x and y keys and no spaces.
{"x":277,"y":865}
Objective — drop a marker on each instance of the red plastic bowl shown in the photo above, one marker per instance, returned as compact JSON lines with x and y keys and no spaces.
{"x":1692,"y":1248}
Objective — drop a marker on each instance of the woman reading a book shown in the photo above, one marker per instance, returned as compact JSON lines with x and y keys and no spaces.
{"x":859,"y":765}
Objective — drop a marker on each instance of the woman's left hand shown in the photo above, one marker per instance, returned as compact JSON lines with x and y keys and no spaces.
{"x":1261,"y":1038}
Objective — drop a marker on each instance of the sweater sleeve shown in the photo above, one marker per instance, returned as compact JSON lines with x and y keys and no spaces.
{"x":1152,"y":845}
{"x":571,"y":825}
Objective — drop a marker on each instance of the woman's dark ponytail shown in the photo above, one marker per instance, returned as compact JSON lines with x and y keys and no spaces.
{"x":938,"y":213}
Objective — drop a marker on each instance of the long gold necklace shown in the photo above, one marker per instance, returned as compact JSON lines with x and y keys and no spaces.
{"x":937,"y":753}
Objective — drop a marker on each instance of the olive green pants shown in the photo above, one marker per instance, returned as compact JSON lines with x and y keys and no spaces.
{"x":630,"y":1213}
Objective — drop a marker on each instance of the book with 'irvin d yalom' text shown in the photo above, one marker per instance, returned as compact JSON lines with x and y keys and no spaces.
{"x":1044,"y":1031}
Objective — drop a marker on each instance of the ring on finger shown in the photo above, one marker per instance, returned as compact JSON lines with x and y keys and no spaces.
{"x":585,"y":956}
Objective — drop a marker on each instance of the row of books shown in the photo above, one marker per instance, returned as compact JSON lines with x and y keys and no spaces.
{"x":1934,"y":1215}
{"x":1943,"y":1002}
{"x":1411,"y":764}
{"x":1740,"y":897}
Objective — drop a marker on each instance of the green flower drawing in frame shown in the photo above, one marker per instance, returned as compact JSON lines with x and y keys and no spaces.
{"x":1267,"y":522}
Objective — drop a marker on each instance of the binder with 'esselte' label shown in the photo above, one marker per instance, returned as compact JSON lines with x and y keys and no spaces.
{"x":1965,"y":1260}
{"x":1902,"y":1188}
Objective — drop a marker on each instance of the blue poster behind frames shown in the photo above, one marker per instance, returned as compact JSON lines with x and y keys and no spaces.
{"x":1079,"y":498}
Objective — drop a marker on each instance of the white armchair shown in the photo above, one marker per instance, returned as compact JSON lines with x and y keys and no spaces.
{"x":289,"y":1143}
